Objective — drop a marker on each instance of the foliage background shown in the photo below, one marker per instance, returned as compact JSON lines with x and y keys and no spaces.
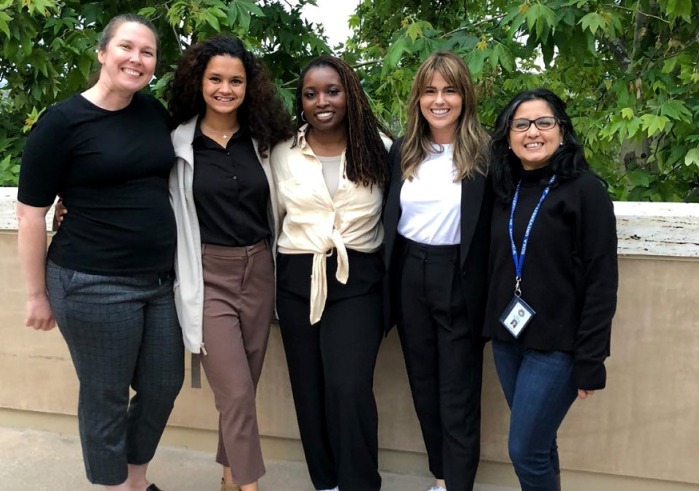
{"x":628,"y":69}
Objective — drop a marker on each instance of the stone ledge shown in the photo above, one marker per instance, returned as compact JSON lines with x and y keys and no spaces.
{"x":657,"y":229}
{"x":8,"y":218}
{"x":644,"y":229}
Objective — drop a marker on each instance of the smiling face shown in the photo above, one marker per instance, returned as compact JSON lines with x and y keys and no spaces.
{"x":324,"y":99}
{"x":441,"y":106}
{"x":223,"y":85}
{"x":128,"y":60}
{"x":534,"y":147}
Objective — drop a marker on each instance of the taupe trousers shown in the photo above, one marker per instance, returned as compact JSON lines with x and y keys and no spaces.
{"x":238,"y":309}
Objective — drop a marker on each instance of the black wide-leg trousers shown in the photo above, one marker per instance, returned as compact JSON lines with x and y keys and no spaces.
{"x":444,"y":360}
{"x":331,"y":368}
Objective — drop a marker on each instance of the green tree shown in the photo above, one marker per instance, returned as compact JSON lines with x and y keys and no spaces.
{"x":628,"y":70}
{"x":47,"y":49}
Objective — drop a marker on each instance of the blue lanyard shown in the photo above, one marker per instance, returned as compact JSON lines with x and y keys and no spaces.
{"x":519,"y":259}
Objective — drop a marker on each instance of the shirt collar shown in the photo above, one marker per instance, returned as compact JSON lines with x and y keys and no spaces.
{"x":301,"y":137}
{"x":198,"y":138}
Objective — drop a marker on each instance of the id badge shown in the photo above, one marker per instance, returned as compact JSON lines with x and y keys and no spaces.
{"x":516,"y":316}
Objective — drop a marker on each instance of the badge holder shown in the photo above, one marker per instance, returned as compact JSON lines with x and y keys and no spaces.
{"x":517,"y":314}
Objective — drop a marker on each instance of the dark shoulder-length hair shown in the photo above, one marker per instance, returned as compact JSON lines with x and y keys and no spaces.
{"x":262,"y":110}
{"x":567,"y":162}
{"x":366,"y":157}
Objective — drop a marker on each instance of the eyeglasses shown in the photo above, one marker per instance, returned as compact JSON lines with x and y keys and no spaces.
{"x":543,"y":123}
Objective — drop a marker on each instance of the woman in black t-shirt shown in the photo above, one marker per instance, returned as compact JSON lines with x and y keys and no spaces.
{"x":551,"y":303}
{"x":107,"y":278}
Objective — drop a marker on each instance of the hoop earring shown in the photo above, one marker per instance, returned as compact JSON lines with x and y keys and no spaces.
{"x":303,"y":117}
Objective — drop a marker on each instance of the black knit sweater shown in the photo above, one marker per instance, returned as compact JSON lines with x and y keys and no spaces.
{"x":569,"y":275}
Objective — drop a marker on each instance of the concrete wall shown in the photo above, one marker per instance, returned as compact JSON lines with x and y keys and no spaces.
{"x":642,"y":432}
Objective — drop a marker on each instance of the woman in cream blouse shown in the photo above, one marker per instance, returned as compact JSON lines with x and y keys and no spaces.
{"x":330,"y":180}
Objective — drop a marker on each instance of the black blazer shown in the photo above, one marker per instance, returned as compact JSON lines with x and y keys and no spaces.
{"x":476,"y":210}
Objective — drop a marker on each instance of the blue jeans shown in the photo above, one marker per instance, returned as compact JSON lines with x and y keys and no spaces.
{"x":122,"y":331}
{"x":539,"y":388}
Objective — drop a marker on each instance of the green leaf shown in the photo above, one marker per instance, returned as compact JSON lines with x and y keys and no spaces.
{"x":507,"y":61}
{"x":254,"y":9}
{"x":243,"y":17}
{"x":414,"y":31}
{"x":676,"y":110}
{"x":639,"y":177}
{"x":395,"y":52}
{"x":210,"y":17}
{"x":632,"y":128}
{"x":653,"y":124}
{"x":476,"y":58}
{"x":232,"y":13}
{"x":679,"y":8}
{"x":692,"y":157}
{"x":4,"y":20}
{"x":669,"y":65}
{"x":147,"y":12}
{"x":85,"y":65}
{"x":593,"y":21}
{"x":41,"y":7}
{"x":540,"y":19}
{"x":627,"y":113}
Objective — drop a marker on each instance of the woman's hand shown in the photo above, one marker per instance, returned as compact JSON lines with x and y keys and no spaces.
{"x":39,"y":314}
{"x":59,"y":212}
{"x":31,"y":245}
{"x":583,"y":394}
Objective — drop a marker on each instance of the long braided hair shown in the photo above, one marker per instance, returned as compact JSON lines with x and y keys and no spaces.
{"x":366,"y":156}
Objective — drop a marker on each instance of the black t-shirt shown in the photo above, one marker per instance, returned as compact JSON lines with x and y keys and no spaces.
{"x":231,"y":191}
{"x":111,"y":169}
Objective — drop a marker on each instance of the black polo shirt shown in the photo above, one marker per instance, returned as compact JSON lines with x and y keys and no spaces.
{"x":231,"y":191}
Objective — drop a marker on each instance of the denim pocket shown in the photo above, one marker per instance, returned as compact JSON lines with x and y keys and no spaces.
{"x":556,"y":358}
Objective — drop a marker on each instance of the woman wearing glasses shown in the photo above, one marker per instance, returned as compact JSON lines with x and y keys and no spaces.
{"x":553,"y":278}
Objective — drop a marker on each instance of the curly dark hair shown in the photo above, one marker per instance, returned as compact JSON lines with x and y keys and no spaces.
{"x":366,"y":156}
{"x":567,"y":162}
{"x":262,"y":111}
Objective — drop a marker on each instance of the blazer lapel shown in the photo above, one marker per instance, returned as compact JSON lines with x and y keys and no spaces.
{"x":391,"y":212}
{"x":472,"y":190}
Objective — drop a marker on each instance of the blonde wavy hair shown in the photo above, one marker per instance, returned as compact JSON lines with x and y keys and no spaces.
{"x":471,"y":142}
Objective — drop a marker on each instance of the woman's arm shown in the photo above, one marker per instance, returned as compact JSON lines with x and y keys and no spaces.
{"x":32,"y":255}
{"x":598,"y":250}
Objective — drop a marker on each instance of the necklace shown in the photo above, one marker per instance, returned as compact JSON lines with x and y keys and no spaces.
{"x":224,"y":134}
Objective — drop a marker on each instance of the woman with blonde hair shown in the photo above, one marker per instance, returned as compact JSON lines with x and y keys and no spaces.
{"x":107,"y":277}
{"x":436,"y":221}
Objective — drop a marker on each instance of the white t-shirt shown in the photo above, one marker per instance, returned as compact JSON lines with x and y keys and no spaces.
{"x":332,"y":170}
{"x":431,"y":202}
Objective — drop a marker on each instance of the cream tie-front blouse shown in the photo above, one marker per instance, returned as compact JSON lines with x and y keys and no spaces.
{"x":313,"y":222}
